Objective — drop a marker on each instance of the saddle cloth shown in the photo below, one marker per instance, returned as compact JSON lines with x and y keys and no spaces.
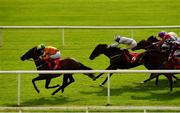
{"x":54,"y":64}
{"x":131,"y":57}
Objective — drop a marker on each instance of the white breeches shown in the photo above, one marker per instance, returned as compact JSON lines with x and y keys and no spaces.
{"x":133,"y":44}
{"x":55,"y":56}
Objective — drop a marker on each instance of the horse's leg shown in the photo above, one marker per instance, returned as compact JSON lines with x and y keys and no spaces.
{"x":108,"y":68}
{"x":169,"y":77}
{"x":71,"y":80}
{"x":157,"y":79}
{"x":37,"y":79}
{"x":173,"y":76}
{"x":153,"y":75}
{"x":105,"y":80}
{"x":99,"y":75}
{"x":90,"y":75}
{"x":176,"y":78}
{"x":65,"y":83}
{"x":48,"y":82}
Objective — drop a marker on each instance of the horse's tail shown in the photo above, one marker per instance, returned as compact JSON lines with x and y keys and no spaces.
{"x":90,"y":75}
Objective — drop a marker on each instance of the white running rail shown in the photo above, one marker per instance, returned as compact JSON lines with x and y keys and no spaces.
{"x":86,"y":27}
{"x":19,"y":72}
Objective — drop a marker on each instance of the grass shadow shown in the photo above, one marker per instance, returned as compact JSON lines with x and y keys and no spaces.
{"x":45,"y":101}
{"x":160,"y":92}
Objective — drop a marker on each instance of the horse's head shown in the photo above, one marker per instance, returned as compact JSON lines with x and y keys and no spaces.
{"x":152,"y":39}
{"x":99,"y":49}
{"x":146,"y":44}
{"x":31,"y":53}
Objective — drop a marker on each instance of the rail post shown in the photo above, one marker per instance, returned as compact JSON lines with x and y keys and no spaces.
{"x":63,"y":38}
{"x":19,"y":89}
{"x":108,"y":90}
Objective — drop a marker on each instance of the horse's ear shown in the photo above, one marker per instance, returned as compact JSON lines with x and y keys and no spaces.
{"x":151,"y":37}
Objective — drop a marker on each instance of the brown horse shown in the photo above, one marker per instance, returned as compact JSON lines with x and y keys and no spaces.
{"x":118,"y":60}
{"x":150,"y":43}
{"x":66,"y":64}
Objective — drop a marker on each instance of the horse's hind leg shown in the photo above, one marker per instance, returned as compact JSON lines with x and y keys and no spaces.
{"x":105,"y":80}
{"x":65,"y":83}
{"x":108,"y":68}
{"x":48,"y":82}
{"x":176,"y":78}
{"x":90,"y":75}
{"x":169,"y":77}
{"x":152,"y":76}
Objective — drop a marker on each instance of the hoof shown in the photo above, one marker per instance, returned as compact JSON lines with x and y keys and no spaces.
{"x":53,"y":93}
{"x":57,"y":85}
{"x":101,"y":85}
{"x":94,"y":79}
{"x":38,"y":91}
{"x":62,"y":90}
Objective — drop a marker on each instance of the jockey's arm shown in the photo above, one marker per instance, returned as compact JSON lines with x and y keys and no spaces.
{"x":115,"y":44}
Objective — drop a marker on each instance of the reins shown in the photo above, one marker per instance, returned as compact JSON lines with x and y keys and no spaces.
{"x":115,"y":56}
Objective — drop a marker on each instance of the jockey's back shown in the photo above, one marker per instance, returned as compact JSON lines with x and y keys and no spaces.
{"x":50,"y":50}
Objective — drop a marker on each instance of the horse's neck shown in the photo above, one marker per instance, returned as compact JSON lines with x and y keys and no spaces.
{"x":110,"y":53}
{"x":38,"y":63}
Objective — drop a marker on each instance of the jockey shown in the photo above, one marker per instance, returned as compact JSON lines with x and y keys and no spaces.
{"x":166,"y":40}
{"x":124,"y":40}
{"x":127,"y":41}
{"x":51,"y":55}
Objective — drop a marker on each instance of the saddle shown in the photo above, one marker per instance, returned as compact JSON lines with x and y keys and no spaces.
{"x":131,"y":57}
{"x":54,"y":64}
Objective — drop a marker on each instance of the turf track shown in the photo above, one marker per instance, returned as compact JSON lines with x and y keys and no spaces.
{"x":79,"y":43}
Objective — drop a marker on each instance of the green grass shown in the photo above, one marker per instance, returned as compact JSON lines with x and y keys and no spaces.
{"x":79,"y":43}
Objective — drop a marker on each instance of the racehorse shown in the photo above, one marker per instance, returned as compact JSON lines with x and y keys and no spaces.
{"x":118,"y":60}
{"x":150,"y":43}
{"x":66,"y":64}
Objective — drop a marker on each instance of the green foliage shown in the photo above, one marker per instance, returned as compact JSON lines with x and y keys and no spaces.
{"x":79,"y":43}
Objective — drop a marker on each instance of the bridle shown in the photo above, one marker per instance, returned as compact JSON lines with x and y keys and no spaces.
{"x":36,"y":60}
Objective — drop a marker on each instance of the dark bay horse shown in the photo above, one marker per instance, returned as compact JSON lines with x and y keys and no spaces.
{"x":118,"y":60}
{"x":66,"y":64}
{"x":150,"y":43}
